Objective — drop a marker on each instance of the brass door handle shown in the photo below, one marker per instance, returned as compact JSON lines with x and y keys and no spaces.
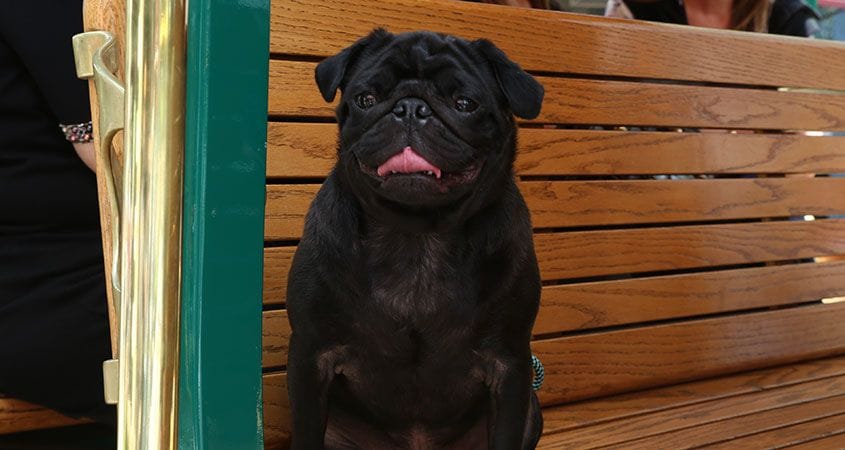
{"x":96,"y":57}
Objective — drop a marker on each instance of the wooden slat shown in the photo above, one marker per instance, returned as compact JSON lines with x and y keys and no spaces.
{"x":589,"y":152}
{"x":284,"y":212}
{"x":275,"y":334}
{"x":582,"y":44}
{"x":308,"y":150}
{"x":18,"y":416}
{"x":740,"y":426}
{"x":602,"y":304}
{"x":608,"y":303}
{"x":300,"y":150}
{"x":826,"y":443}
{"x":586,"y":203}
{"x":591,"y":365}
{"x":277,"y":261}
{"x":790,"y":435}
{"x":276,"y":411}
{"x":679,"y":419}
{"x":581,"y":102}
{"x":560,"y":419}
{"x":110,"y":16}
{"x":606,"y":252}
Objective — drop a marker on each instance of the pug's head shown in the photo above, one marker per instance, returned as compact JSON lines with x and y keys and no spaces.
{"x":426,"y":120}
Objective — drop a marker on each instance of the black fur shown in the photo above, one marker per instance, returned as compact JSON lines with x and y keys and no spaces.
{"x":412,"y":299}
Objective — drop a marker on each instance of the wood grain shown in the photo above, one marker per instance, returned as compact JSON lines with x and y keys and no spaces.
{"x":276,"y":411}
{"x":575,"y":101}
{"x":582,"y":306}
{"x":789,"y":435}
{"x":308,"y":150}
{"x":277,"y":261}
{"x":679,"y":420}
{"x":562,"y":418}
{"x":607,"y":252}
{"x":607,"y":410}
{"x":17,"y":416}
{"x":825,"y":443}
{"x":588,"y":152}
{"x":592,"y":365}
{"x":285,"y":209}
{"x":609,"y":303}
{"x":556,"y":204}
{"x":586,"y":203}
{"x":602,"y":304}
{"x":582,"y":44}
{"x":275,"y":335}
{"x":300,"y":150}
{"x":107,"y":15}
{"x":740,"y":426}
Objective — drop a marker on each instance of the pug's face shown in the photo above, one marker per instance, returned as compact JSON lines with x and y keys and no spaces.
{"x":426,"y":120}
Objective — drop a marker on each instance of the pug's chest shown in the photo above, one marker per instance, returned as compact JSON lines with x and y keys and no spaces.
{"x":411,"y":282}
{"x":415,"y":327}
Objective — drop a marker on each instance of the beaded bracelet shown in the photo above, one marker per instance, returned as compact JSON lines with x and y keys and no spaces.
{"x":78,"y":133}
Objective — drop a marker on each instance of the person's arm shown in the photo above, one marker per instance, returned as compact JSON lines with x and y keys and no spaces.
{"x":86,"y":154}
{"x":48,"y":57}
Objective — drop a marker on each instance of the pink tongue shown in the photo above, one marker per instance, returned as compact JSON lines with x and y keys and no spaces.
{"x":408,"y":161}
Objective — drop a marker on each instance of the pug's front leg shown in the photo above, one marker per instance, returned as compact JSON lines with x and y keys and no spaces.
{"x":310,"y":373}
{"x":510,"y":390}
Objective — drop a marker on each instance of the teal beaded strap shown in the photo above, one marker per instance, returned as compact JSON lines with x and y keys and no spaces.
{"x":539,"y":373}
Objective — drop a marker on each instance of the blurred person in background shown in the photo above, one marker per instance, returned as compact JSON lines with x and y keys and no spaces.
{"x":786,"y":17}
{"x":54,"y":332}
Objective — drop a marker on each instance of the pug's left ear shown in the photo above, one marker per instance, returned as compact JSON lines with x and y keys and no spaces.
{"x":331,"y":71}
{"x":523,"y":92}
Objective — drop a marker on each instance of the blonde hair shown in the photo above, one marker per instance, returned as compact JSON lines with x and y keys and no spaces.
{"x":751,"y":15}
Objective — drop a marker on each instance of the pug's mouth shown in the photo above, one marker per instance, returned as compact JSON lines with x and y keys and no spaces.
{"x":409,"y":164}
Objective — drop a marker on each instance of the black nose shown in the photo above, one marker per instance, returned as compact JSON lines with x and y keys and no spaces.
{"x":412,"y":108}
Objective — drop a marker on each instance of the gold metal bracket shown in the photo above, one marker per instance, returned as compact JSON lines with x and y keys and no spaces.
{"x":96,"y":57}
{"x":111,"y":385}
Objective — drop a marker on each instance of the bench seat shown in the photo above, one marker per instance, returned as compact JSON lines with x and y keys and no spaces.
{"x":688,"y":212}
{"x":798,"y":404}
{"x":18,"y":416}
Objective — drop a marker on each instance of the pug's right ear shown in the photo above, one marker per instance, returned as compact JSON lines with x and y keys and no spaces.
{"x":523,"y":93}
{"x":331,"y":72}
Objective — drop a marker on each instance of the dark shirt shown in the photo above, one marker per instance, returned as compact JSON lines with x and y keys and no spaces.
{"x":787,"y":17}
{"x":53,"y":322}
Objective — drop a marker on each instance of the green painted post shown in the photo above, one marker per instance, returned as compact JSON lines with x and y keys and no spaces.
{"x":220,"y":403}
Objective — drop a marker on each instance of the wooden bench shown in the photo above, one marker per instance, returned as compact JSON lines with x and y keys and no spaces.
{"x":675,"y":312}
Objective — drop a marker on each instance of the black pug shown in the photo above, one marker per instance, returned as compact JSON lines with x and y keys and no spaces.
{"x":415,"y":286}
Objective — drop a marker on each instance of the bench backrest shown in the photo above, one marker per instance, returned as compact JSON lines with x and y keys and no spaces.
{"x":648,"y":280}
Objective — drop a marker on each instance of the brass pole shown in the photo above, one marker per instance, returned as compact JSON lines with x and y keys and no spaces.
{"x":151,"y":224}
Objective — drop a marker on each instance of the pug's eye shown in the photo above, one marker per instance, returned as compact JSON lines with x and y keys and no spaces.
{"x":366,"y":101}
{"x":464,"y":104}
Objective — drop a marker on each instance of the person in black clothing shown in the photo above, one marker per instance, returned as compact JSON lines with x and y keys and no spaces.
{"x":786,"y":17}
{"x":54,"y":331}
